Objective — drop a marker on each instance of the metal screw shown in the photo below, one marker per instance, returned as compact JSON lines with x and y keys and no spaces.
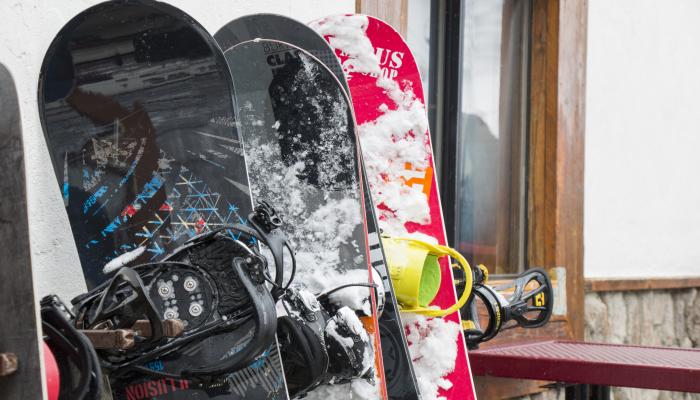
{"x":190,"y":284}
{"x":170,"y":314}
{"x":163,"y":290}
{"x":195,"y":309}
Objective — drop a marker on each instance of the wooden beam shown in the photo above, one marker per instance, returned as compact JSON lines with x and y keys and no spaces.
{"x":634,"y":284}
{"x":493,"y":388}
{"x":557,"y":118}
{"x":394,"y":12}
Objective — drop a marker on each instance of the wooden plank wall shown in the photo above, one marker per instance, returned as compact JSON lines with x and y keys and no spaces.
{"x":557,"y":132}
{"x":394,"y":12}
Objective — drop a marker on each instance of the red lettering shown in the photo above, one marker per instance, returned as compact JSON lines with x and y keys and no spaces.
{"x":382,"y":55}
{"x":130,"y":395}
{"x":152,"y":387}
{"x":396,"y":60}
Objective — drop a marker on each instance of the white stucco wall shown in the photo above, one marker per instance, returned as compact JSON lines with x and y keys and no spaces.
{"x":27,"y":29}
{"x":642,"y":191}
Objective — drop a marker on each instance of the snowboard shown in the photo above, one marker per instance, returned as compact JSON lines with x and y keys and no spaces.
{"x":137,"y":109}
{"x":298,"y":132}
{"x":398,"y":369}
{"x":388,"y":99}
{"x":20,"y":365}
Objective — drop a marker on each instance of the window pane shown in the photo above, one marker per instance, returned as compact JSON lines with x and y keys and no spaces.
{"x":491,"y":141}
{"x":418,"y":37}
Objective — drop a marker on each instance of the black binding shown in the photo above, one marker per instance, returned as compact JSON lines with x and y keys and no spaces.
{"x":234,"y":294}
{"x":522,"y":307}
{"x":73,"y":351}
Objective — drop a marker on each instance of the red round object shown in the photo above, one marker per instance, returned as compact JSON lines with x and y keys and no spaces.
{"x":53,"y":380}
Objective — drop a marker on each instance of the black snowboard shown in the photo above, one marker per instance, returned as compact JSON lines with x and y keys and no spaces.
{"x":19,"y":338}
{"x":137,"y":109}
{"x":299,"y":136}
{"x":398,"y":368}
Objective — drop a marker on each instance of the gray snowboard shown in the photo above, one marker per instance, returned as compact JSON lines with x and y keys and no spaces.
{"x":299,"y":137}
{"x":18,"y":329}
{"x":400,"y":377}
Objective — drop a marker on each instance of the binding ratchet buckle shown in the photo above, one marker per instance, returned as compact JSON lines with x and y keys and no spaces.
{"x":524,"y":302}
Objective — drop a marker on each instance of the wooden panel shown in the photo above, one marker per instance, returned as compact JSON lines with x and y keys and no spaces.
{"x":493,"y":388}
{"x":631,"y":284}
{"x":394,"y":12}
{"x":18,"y":328}
{"x":571,"y":119}
{"x":555,"y":201}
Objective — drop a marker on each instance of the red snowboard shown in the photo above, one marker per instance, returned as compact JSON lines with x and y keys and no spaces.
{"x":387,"y":96}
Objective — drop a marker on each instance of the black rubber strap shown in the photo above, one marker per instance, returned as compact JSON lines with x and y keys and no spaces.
{"x":69,"y":345}
{"x":265,"y":318}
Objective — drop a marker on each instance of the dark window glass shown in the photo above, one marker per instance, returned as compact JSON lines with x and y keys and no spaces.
{"x":483,"y":144}
{"x":491,"y":142}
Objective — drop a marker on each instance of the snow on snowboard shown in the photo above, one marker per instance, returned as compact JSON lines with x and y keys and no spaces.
{"x":299,"y":136}
{"x":387,"y":96}
{"x":398,"y":369}
{"x":136,"y":105}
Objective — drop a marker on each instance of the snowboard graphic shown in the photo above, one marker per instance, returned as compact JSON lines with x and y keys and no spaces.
{"x":400,"y":378}
{"x":136,"y":105}
{"x":389,"y":105}
{"x":299,"y":136}
{"x":19,"y":336}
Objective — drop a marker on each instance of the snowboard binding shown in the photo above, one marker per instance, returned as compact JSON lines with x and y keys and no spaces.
{"x":321,"y":343}
{"x":76,"y":369}
{"x":416,"y":274}
{"x":488,"y":311}
{"x":215,"y":284}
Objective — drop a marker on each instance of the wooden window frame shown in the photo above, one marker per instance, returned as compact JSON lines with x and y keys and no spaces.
{"x":555,"y":180}
{"x":637,"y":284}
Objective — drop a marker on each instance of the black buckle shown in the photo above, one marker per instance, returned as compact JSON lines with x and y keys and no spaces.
{"x":266,"y":215}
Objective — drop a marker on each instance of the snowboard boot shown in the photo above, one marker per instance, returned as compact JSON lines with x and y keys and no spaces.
{"x":322,"y":343}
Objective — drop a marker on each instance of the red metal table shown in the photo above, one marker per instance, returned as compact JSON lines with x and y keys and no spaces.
{"x":604,"y":365}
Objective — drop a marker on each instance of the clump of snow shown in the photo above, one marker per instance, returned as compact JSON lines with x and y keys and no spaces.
{"x":358,"y":389}
{"x":356,"y":297}
{"x":397,"y":138}
{"x":123,"y":260}
{"x":432,"y":359}
{"x":349,"y":317}
{"x":358,"y":329}
{"x":332,"y":331}
{"x":347,"y":33}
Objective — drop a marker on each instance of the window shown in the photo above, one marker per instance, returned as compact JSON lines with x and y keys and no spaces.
{"x":480,"y":66}
{"x":507,"y":111}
